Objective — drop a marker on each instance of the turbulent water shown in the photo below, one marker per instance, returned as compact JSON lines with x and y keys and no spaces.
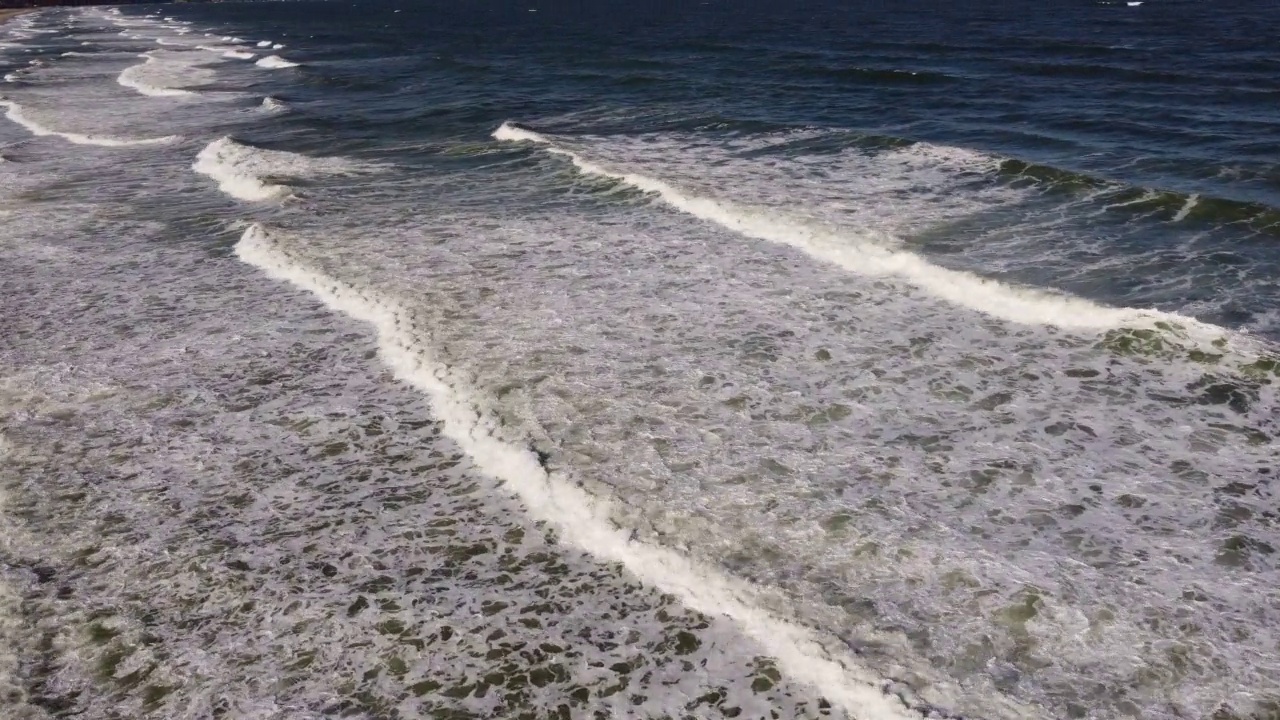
{"x":647,"y":359}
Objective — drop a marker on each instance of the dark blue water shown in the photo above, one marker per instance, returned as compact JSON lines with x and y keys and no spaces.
{"x":643,"y":359}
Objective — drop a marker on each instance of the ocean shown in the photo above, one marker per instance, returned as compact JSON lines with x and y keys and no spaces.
{"x":568,"y":359}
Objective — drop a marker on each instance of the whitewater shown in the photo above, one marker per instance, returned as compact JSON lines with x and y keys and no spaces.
{"x":407,"y":383}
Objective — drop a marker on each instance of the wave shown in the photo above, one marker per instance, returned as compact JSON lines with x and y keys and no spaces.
{"x":247,"y":173}
{"x":581,"y":519}
{"x":16,"y":114}
{"x":274,"y":105}
{"x":862,"y":255}
{"x":264,"y":43}
{"x":1172,"y":205}
{"x":131,"y":77}
{"x":275,"y":62}
{"x":238,"y":55}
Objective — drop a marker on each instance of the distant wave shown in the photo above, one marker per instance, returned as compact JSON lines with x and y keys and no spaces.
{"x":884,"y":76}
{"x":581,"y":519}
{"x":1172,"y":205}
{"x":238,"y":55}
{"x":275,"y":62}
{"x":1009,"y":302}
{"x":17,"y":114}
{"x":248,"y":173}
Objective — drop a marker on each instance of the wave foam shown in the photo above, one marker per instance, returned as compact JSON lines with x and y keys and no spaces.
{"x":275,"y":62}
{"x":238,"y":55}
{"x":1022,"y":305}
{"x":16,"y":114}
{"x":242,"y":170}
{"x":581,"y":519}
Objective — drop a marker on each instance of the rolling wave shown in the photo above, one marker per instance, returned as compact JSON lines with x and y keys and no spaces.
{"x":1172,"y":205}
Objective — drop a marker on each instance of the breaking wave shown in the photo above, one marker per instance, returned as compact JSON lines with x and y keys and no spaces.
{"x":861,"y":255}
{"x":249,"y":173}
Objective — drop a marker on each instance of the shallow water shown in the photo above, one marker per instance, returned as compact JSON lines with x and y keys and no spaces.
{"x":639,"y":361}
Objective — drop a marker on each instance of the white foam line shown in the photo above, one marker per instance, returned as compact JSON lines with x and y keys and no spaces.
{"x":15,"y":114}
{"x":1186,"y":208}
{"x":1021,"y":305}
{"x":580,"y":518}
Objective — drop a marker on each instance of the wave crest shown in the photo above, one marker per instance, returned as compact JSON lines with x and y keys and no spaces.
{"x":865,"y":256}
{"x":249,"y":173}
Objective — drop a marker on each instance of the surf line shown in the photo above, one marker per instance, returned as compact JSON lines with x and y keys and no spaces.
{"x":580,"y":519}
{"x":1021,"y":305}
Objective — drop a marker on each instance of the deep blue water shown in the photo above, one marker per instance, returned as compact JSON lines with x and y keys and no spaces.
{"x":641,"y":359}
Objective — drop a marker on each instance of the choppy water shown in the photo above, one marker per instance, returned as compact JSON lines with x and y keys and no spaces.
{"x":554,"y":359}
